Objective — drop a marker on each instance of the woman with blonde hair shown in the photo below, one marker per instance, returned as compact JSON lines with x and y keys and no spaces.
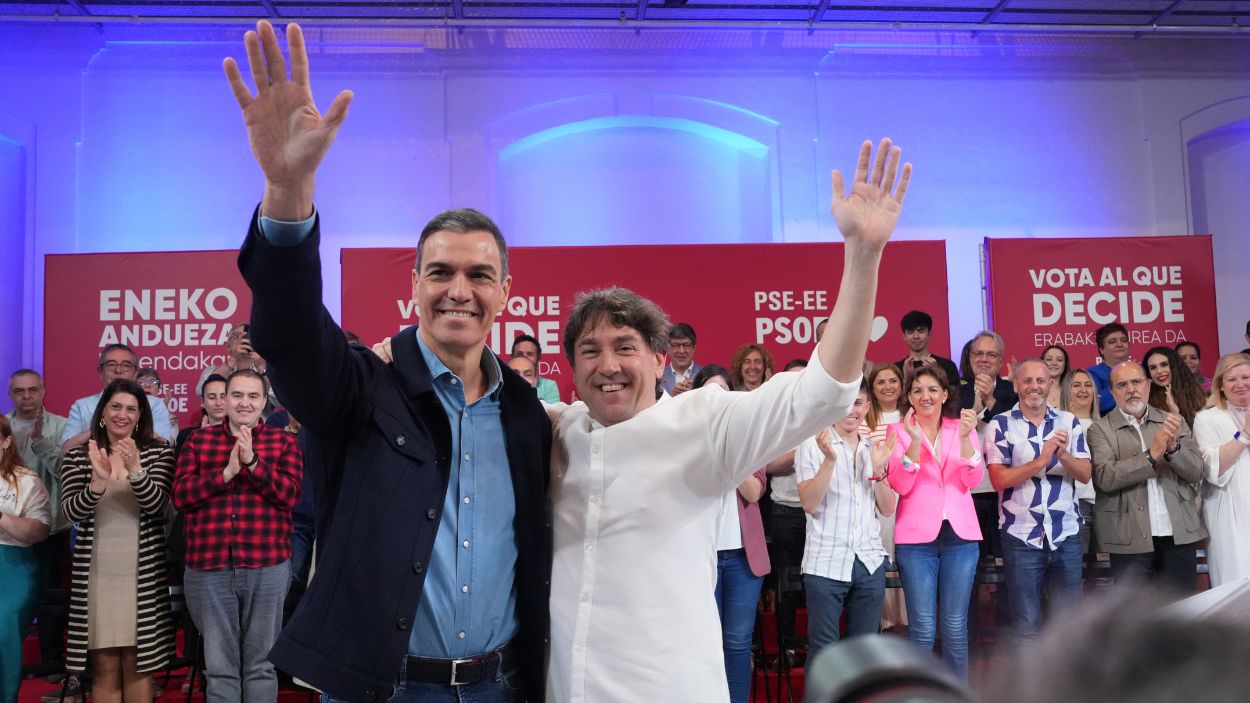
{"x":116,"y":487}
{"x":1220,"y":432}
{"x":1079,"y":396}
{"x":25,"y":520}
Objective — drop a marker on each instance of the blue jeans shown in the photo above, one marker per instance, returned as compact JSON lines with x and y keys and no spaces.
{"x":239,"y":611}
{"x":1057,"y":566}
{"x":737,"y":595}
{"x":939,"y":575}
{"x":863,"y":596}
{"x":503,"y":687}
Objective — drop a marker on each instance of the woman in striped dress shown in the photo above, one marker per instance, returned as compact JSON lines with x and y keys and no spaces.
{"x":116,"y":487}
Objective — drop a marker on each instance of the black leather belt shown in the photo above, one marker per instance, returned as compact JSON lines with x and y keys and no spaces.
{"x":458,"y":672}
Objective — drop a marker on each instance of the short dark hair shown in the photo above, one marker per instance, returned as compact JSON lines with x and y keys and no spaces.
{"x":1101,"y":334}
{"x":247,"y":373}
{"x":950,"y":409}
{"x":915,"y":320}
{"x":148,"y":371}
{"x":682,"y":330}
{"x":25,"y":372}
{"x":712,"y":371}
{"x":463,"y":221}
{"x":143,"y":434}
{"x":527,"y":338}
{"x":622,"y":307}
{"x":795,"y":364}
{"x":212,"y":378}
{"x":1188,"y":343}
{"x":115,"y":347}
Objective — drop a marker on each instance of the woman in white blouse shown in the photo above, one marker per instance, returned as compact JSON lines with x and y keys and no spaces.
{"x":1220,"y":432}
{"x":25,"y":520}
{"x":1079,"y":396}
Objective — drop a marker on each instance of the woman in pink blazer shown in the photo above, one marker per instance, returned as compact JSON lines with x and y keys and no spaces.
{"x":936,"y":463}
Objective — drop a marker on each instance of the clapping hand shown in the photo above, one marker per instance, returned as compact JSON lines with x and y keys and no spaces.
{"x":1165,"y":438}
{"x":101,"y":466}
{"x":289,"y":137}
{"x":967,"y":423}
{"x":867,"y":215}
{"x":912,"y":425}
{"x":881,"y":451}
{"x":130,"y":455}
{"x":824,"y":440}
{"x":243,"y":445}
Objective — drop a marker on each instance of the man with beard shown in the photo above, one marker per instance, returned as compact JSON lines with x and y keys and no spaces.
{"x":1145,"y":468}
{"x":1034,"y":454}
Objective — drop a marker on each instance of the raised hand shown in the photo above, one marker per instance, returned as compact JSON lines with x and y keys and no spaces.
{"x":289,"y":137}
{"x":985,"y":390}
{"x":1166,"y":436}
{"x":1172,"y":406}
{"x":233,"y":467}
{"x":129,"y":452}
{"x":36,"y":427}
{"x":867,"y":215}
{"x":824,"y":440}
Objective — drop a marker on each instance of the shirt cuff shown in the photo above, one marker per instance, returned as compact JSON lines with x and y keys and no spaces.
{"x":975,"y":460}
{"x":286,"y":234}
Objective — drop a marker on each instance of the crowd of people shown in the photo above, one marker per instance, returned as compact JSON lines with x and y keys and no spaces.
{"x":476,"y":538}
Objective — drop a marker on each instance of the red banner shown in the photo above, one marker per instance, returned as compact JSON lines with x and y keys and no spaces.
{"x":771,"y":294}
{"x":174,"y":309}
{"x":1059,"y":291}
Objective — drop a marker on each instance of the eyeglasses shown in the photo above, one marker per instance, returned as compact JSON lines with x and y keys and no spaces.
{"x":986,"y":354}
{"x":1134,"y":382}
{"x":150,"y":383}
{"x":681,"y":345}
{"x":118,"y":365}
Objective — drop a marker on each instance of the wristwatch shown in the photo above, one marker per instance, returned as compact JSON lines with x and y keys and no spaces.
{"x":1242,"y":437}
{"x":255,"y":460}
{"x":138,"y":476}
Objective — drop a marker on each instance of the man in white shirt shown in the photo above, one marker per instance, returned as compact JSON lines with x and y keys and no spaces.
{"x":843,"y":489}
{"x":637,"y":485}
{"x":116,"y":361}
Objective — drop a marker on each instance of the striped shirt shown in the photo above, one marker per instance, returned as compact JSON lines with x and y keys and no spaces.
{"x":844,"y":527}
{"x":1043,"y":508}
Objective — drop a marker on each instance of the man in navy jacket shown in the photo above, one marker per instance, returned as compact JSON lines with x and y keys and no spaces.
{"x":433,"y":538}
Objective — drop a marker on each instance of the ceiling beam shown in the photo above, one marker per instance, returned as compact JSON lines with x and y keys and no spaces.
{"x":457,"y":9}
{"x":79,"y":7}
{"x":1166,"y":11}
{"x":269,"y":7}
{"x":641,"y":12}
{"x":998,"y":10}
{"x":819,"y":14}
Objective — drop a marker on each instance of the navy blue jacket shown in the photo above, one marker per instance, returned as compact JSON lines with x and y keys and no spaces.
{"x":379,"y":453}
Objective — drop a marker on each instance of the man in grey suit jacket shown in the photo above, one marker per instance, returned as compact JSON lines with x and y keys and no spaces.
{"x":1145,"y":468}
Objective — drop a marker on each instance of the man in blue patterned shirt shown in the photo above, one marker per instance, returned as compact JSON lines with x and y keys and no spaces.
{"x":1034,"y":454}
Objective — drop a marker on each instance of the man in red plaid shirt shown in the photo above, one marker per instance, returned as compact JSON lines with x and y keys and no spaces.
{"x":237,"y":483}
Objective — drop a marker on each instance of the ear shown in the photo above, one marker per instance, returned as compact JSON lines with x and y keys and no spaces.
{"x":507,"y":290}
{"x":661,"y":362}
{"x":416,"y":304}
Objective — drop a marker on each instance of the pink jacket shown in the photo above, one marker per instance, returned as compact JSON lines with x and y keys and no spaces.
{"x":940,"y":485}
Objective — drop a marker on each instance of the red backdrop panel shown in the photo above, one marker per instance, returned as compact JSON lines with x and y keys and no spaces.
{"x":173,"y":308}
{"x":731,"y":294}
{"x":1059,"y":291}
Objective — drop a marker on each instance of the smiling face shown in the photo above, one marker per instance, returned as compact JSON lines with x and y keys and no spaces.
{"x":459,"y":290}
{"x":1160,"y":369}
{"x":121,"y":416}
{"x":851,"y":422}
{"x":1055,"y":362}
{"x":927,"y":396}
{"x":1235,"y":385}
{"x":986,"y":357}
{"x":615,"y":371}
{"x":753,"y":370}
{"x":1033,"y":383}
{"x":1081,"y":394}
{"x":887,"y":387}
{"x":245,"y":399}
{"x":681,"y":352}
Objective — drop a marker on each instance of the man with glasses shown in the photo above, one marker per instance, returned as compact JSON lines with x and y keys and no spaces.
{"x":116,"y":361}
{"x":680,"y":372}
{"x":988,"y":393}
{"x":1145,"y":468}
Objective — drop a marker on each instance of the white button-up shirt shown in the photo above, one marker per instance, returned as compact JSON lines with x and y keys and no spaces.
{"x":1160,"y":520}
{"x":845,"y":526}
{"x":635,"y":509}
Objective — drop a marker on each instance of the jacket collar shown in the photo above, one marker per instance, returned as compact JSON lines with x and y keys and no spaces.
{"x":1120,"y":420}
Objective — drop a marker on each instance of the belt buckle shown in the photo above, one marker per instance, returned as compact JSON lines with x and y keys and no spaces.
{"x":455,"y":670}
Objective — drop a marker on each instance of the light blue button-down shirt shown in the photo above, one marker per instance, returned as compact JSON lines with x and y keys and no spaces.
{"x":468,"y":603}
